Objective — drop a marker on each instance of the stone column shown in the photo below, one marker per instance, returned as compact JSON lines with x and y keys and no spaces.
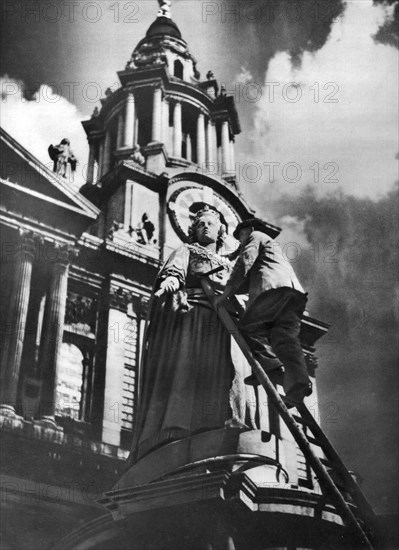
{"x":128,"y":139}
{"x":188,"y":147}
{"x":201,"y":140}
{"x":177,"y":130}
{"x":225,"y":146}
{"x":232,"y":160}
{"x":107,"y":152}
{"x":119,"y":136}
{"x":118,"y":328}
{"x":16,"y":321}
{"x":165,"y":122}
{"x":211,"y":143}
{"x":52,"y":331}
{"x":100,"y":170}
{"x":136,"y":131}
{"x":90,"y":166}
{"x":157,"y":115}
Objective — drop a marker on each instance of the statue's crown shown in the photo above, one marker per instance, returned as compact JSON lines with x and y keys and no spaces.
{"x":206,"y":211}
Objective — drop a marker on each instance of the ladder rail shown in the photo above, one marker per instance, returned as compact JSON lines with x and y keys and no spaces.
{"x":331,"y":453}
{"x":342,"y":506}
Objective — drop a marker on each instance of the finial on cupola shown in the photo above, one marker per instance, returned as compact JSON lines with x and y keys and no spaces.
{"x":164,"y":8}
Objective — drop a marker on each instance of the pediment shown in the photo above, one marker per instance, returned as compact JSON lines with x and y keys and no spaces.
{"x":25,"y":176}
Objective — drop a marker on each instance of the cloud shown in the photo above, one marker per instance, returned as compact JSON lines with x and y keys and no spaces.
{"x":332,"y":121}
{"x":46,"y":118}
{"x":243,"y":76}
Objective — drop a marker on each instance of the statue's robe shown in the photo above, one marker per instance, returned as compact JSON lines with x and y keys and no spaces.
{"x":192,"y":376}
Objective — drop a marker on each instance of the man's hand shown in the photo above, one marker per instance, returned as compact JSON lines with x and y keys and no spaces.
{"x":169,"y":285}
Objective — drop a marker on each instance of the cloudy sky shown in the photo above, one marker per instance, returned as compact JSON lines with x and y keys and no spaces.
{"x":316,"y":90}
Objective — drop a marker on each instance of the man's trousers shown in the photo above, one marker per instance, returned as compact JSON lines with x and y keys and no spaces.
{"x":274,"y":319}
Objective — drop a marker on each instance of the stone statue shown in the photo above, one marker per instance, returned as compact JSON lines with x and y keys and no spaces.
{"x":136,"y":156}
{"x":95,"y":113}
{"x":192,"y":380}
{"x":146,"y":229}
{"x":62,"y":155}
{"x":144,"y":232}
{"x":164,"y":8}
{"x":116,"y":226}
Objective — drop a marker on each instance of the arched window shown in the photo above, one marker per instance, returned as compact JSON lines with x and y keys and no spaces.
{"x":178,"y":69}
{"x":69,"y":382}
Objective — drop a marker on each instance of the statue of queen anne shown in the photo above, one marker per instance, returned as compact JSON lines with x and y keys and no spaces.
{"x":192,"y":375}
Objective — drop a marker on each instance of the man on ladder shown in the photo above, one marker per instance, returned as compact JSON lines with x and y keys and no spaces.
{"x":275,"y":306}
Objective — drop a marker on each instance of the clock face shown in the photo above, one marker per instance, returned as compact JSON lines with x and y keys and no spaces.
{"x":187,"y":201}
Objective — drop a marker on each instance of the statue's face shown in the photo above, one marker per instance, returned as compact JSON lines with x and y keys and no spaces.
{"x":207,"y":229}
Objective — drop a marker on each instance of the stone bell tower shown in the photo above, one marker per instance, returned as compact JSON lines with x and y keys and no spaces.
{"x":162,"y":126}
{"x":162,"y":146}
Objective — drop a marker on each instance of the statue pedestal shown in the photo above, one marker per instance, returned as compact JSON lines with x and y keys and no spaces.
{"x":219,"y":490}
{"x":156,"y":157}
{"x":226,"y":445}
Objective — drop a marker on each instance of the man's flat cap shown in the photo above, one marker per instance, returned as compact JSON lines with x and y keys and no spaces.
{"x":258,"y":225}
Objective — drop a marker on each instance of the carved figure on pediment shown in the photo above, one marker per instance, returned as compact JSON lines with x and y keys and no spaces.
{"x":62,"y":155}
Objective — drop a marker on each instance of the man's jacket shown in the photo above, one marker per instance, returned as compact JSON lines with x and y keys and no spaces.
{"x":262,"y":265}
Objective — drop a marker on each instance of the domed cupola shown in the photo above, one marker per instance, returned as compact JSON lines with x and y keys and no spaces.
{"x":163,"y":44}
{"x":163,"y":116}
{"x":163,"y":26}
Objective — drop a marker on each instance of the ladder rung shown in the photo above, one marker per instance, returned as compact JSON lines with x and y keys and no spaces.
{"x":301,"y":420}
{"x":314,"y":441}
{"x":327,"y":463}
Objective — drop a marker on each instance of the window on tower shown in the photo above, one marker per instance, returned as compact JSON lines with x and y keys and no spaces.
{"x":178,"y":69}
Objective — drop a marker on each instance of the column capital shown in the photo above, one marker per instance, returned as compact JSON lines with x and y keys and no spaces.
{"x":30,"y":243}
{"x":144,"y":303}
{"x":119,"y":298}
{"x":29,"y":236}
{"x":63,"y":253}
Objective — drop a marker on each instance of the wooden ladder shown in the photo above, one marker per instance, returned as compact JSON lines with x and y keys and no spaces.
{"x":364,"y":526}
